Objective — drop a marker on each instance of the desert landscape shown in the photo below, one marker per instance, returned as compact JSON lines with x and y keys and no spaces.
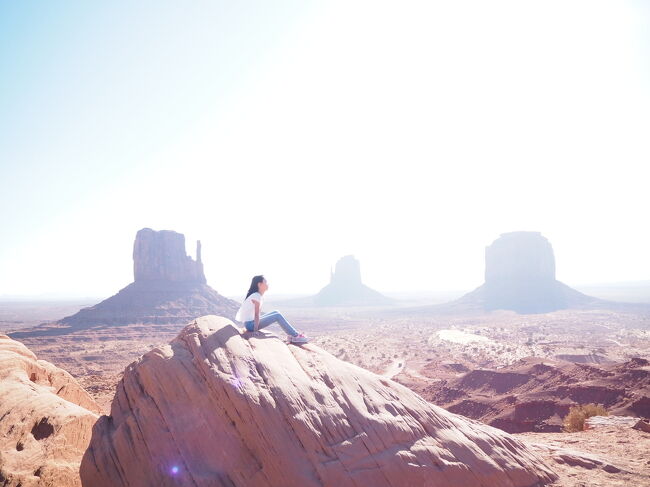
{"x":324,"y":244}
{"x":520,"y":373}
{"x":435,"y":356}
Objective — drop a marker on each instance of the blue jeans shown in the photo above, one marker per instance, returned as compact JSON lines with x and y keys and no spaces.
{"x":268,"y":319}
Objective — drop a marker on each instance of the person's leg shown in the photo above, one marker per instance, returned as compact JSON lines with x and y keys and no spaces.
{"x":276,"y":317}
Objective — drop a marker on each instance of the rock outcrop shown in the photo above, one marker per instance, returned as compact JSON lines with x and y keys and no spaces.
{"x":218,"y":408}
{"x":46,"y":420}
{"x":346,"y":289}
{"x":520,"y":276}
{"x":169,"y":287}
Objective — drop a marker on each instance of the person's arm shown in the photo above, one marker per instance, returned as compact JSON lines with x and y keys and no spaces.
{"x":257,"y":314}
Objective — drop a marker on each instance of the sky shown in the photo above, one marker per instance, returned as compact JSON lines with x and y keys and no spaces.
{"x":285,"y":135}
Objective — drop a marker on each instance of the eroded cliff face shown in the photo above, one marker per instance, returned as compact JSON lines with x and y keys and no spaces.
{"x":346,"y":289}
{"x":218,"y":408}
{"x":160,"y":256}
{"x":46,"y":420}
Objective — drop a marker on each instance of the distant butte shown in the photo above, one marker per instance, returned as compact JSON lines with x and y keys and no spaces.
{"x":345,"y":287}
{"x":520,"y":276}
{"x":169,"y":287}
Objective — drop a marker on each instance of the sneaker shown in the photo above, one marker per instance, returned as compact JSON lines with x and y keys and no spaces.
{"x":299,"y":338}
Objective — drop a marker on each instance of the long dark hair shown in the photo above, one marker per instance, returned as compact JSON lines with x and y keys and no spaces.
{"x":253,"y":289}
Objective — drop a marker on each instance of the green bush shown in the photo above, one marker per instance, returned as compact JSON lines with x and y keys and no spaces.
{"x":575,"y":420}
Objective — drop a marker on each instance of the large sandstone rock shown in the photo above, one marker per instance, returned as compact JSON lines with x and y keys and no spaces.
{"x":217,"y":408}
{"x":346,"y":288}
{"x":46,"y":420}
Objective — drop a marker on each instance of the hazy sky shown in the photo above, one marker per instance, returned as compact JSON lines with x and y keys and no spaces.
{"x":285,"y":135}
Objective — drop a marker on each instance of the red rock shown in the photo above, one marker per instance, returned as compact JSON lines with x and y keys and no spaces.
{"x":642,"y":425}
{"x":46,"y":420}
{"x":218,"y":408}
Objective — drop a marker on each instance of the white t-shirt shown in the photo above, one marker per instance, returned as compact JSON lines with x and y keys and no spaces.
{"x":247,"y":309}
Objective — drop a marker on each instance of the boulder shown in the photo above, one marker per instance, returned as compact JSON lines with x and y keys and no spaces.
{"x":217,"y":407}
{"x":46,"y":420}
{"x":642,"y":425}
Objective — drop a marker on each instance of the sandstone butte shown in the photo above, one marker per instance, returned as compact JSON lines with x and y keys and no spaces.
{"x":46,"y":420}
{"x":218,"y":408}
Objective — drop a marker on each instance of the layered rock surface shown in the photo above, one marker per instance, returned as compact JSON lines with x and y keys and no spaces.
{"x":218,"y":408}
{"x":46,"y":420}
{"x":346,"y":288}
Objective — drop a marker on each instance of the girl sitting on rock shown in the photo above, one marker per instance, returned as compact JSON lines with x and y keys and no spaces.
{"x":249,"y":312}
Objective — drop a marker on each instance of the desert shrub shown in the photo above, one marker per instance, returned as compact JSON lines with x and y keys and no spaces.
{"x":575,"y":420}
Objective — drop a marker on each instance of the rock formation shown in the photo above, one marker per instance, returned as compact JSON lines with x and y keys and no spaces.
{"x":169,"y":287}
{"x":217,"y":408}
{"x":160,"y":256}
{"x":46,"y":420}
{"x":345,"y":287}
{"x":520,"y":276}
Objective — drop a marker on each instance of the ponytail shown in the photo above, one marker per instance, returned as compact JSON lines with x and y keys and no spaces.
{"x":253,"y":289}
